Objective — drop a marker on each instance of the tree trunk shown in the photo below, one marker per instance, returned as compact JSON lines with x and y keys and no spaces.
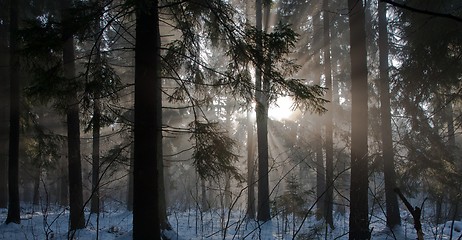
{"x":4,"y":107}
{"x":359,"y":212}
{"x":455,"y":210}
{"x":148,"y":133}
{"x":132,"y":163}
{"x":227,"y":191}
{"x":95,"y":198}
{"x":163,"y":217}
{"x":318,"y":122}
{"x":130,"y":181}
{"x":96,"y":125}
{"x":392,"y":208}
{"x":13,"y":159}
{"x":63,"y":182}
{"x":329,"y":144}
{"x":250,"y":168}
{"x":36,"y":196}
{"x":204,"y":202}
{"x":263,"y":212}
{"x":77,"y":220}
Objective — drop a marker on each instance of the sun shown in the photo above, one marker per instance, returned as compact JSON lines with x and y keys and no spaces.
{"x":283,"y":109}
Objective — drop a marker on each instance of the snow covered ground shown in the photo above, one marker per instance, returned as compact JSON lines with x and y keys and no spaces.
{"x":115,"y":223}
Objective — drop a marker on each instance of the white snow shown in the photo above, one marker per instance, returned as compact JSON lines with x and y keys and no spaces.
{"x":116,"y":223}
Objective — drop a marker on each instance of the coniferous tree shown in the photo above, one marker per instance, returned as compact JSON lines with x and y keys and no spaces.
{"x":77,"y":220}
{"x":13,"y":159}
{"x":263,"y":206}
{"x":429,"y":76}
{"x":359,"y":212}
{"x":250,"y":213}
{"x":392,"y":209}
{"x":96,"y":127}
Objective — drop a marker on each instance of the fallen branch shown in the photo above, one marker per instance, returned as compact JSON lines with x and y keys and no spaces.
{"x":415,"y":212}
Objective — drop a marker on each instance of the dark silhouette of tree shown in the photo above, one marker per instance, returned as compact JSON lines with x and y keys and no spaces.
{"x":96,"y":127}
{"x":148,"y":120}
{"x":77,"y":220}
{"x":13,"y":159}
{"x":4,"y":103}
{"x":359,"y":212}
{"x":261,"y":88}
{"x":392,"y":208}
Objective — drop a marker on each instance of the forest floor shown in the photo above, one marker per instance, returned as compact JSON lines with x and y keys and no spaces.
{"x":116,"y":223}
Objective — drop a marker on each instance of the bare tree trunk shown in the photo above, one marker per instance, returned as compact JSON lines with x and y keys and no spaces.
{"x":63,"y":182}
{"x":250,"y":168}
{"x":329,"y":144}
{"x":148,"y":132}
{"x":95,"y":199}
{"x":318,"y":122}
{"x":36,"y":194}
{"x":131,"y":119}
{"x":77,"y":220}
{"x":392,"y":208}
{"x":227,"y":191}
{"x":455,"y":210}
{"x":359,"y":212}
{"x":263,"y":211}
{"x":250,"y":151}
{"x":204,"y":202}
{"x":96,"y":126}
{"x":4,"y":105}
{"x":13,"y":160}
{"x":130,"y":180}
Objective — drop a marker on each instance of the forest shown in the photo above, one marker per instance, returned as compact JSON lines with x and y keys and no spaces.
{"x":230,"y":119}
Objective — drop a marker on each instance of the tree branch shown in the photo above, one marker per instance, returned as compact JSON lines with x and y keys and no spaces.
{"x":415,"y":212}
{"x":432,"y":13}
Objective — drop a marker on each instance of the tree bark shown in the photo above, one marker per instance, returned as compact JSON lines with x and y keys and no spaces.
{"x":77,"y":220}
{"x":96,"y":126}
{"x":63,"y":181}
{"x":455,"y":211}
{"x":250,"y":168}
{"x":131,"y":119}
{"x":250,"y":151}
{"x":13,"y":159}
{"x":392,"y":209}
{"x":359,"y":212}
{"x":318,"y":122}
{"x":95,"y":198}
{"x":263,"y":211}
{"x":204,"y":202}
{"x":36,"y":177}
{"x":329,"y":144}
{"x":4,"y":105}
{"x":148,"y":133}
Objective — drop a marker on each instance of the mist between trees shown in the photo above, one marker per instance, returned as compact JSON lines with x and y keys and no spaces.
{"x":295,"y":112}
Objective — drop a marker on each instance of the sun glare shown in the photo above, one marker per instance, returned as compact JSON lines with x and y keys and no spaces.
{"x":282,"y":109}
